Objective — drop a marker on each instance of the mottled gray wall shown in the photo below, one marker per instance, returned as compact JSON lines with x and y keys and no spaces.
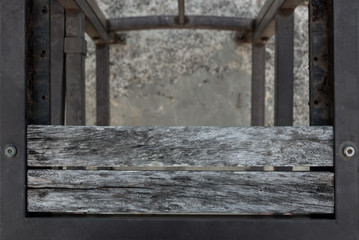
{"x":184,"y":77}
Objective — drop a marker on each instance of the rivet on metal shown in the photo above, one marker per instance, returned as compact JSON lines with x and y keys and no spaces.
{"x":10,"y":151}
{"x":349,"y":151}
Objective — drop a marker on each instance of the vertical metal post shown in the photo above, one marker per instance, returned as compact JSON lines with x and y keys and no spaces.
{"x":320,"y":82}
{"x":75,"y":49}
{"x":284,"y":64}
{"x":57,"y":63}
{"x":258,"y":85}
{"x":102,"y":85}
{"x":39,"y":63}
{"x":181,"y":12}
{"x":13,"y":114}
{"x":345,"y":55}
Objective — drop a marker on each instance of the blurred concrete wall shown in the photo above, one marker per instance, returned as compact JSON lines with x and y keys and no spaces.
{"x":184,"y":77}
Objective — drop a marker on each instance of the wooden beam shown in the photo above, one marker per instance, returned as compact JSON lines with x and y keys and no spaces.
{"x":179,"y":192}
{"x":265,"y":24}
{"x":95,"y":19}
{"x":54,"y":146}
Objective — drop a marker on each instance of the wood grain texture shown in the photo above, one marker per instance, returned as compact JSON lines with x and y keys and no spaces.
{"x":179,"y":146}
{"x":173,"y":192}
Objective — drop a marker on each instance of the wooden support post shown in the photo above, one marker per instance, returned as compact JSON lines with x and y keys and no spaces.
{"x":75,"y":49}
{"x":57,"y":63}
{"x":320,"y":82}
{"x":102,"y":85}
{"x":258,"y":85}
{"x":284,"y":64}
{"x":38,"y":95}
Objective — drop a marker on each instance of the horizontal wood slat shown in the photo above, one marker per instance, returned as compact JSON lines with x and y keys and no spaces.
{"x":50,"y":146}
{"x":174,"y":192}
{"x":179,"y":170}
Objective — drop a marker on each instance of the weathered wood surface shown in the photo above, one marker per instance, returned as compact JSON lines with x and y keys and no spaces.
{"x":179,"y":146}
{"x":173,"y":192}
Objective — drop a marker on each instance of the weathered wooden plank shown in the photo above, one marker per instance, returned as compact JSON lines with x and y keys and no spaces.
{"x":171,"y":192}
{"x":179,"y":146}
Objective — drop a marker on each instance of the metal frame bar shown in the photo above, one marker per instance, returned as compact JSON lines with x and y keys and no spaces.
{"x":267,"y":24}
{"x":320,"y":98}
{"x":39,"y":85}
{"x":264,"y":23}
{"x":284,"y":65}
{"x":75,"y":50}
{"x":95,"y":19}
{"x":171,"y":22}
{"x":258,"y":84}
{"x":345,"y":72}
{"x":181,"y":12}
{"x":57,"y":64}
{"x":102,"y":85}
{"x":15,"y":224}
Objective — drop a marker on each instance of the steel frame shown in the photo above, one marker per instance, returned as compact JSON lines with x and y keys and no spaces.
{"x":16,"y":224}
{"x":172,"y":22}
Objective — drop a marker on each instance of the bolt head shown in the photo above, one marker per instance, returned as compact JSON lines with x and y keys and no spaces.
{"x":10,"y":151}
{"x":349,"y":151}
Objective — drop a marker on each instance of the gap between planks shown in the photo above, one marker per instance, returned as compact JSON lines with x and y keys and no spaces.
{"x":199,"y":169}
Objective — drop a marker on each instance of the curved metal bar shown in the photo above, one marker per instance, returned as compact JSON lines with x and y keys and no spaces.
{"x":171,"y":22}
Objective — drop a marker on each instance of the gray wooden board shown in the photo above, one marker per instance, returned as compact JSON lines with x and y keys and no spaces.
{"x":179,"y":146}
{"x":173,"y":192}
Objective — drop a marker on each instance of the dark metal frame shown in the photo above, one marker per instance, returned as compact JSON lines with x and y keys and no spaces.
{"x":16,"y":224}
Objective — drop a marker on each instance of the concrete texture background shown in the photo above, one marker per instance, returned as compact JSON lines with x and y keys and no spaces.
{"x":190,"y":78}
